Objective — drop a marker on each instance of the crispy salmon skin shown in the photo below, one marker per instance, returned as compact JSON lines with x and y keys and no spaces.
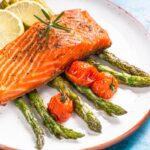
{"x":30,"y":61}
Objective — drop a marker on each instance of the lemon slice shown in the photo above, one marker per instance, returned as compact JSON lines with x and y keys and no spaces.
{"x":42,"y":2}
{"x":10,"y":27}
{"x":26,"y":11}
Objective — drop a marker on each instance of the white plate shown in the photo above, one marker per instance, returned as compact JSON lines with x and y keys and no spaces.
{"x":130,"y":42}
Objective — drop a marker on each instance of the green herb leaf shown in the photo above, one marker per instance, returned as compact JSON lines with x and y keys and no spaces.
{"x":51,"y":24}
{"x":63,"y":98}
{"x":46,"y":31}
{"x":46,"y":14}
{"x":112,"y":86}
{"x":60,"y":27}
{"x":41,"y":20}
{"x":58,"y":17}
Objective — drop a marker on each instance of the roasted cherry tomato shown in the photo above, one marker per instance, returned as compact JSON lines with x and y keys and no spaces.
{"x":61,"y":107}
{"x":105,"y":87}
{"x":82,"y":73}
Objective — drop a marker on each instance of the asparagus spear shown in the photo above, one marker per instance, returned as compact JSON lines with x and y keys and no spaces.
{"x":131,"y":80}
{"x":32,"y":121}
{"x":110,"y":108}
{"x":123,"y":65}
{"x":55,"y":128}
{"x":80,"y":107}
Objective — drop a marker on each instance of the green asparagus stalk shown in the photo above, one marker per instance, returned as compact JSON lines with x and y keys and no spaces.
{"x":3,"y":4}
{"x":54,"y":127}
{"x":110,"y":108}
{"x":121,"y":64}
{"x":20,"y":103}
{"x":124,"y":78}
{"x":80,"y":107}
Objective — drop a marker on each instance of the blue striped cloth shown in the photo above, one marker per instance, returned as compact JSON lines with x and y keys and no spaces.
{"x":140,"y":140}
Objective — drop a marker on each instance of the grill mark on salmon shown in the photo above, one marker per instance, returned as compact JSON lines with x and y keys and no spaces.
{"x":12,"y":68}
{"x":7,"y":62}
{"x":29,"y":61}
{"x":29,"y":58}
{"x":11,"y":47}
{"x":24,"y":70}
{"x":28,"y":69}
{"x":18,"y":69}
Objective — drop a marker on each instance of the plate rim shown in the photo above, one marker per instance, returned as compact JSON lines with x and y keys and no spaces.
{"x":122,"y":136}
{"x":106,"y":144}
{"x":145,"y":117}
{"x":138,"y":22}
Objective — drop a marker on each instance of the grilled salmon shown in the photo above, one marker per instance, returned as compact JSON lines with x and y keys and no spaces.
{"x":30,"y":61}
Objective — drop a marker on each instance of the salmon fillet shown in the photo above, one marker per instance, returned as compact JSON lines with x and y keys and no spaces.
{"x":30,"y":61}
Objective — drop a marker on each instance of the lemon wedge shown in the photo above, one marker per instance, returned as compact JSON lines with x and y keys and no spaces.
{"x":43,"y":3}
{"x":11,"y":27}
{"x":26,"y":10}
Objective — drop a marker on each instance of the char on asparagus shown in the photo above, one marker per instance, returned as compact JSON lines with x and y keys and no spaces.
{"x":81,"y":108}
{"x":124,"y":78}
{"x":55,"y":128}
{"x":38,"y":131}
{"x":121,"y":64}
{"x":110,"y":108}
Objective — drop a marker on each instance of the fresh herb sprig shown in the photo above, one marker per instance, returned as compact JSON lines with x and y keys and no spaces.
{"x":51,"y":23}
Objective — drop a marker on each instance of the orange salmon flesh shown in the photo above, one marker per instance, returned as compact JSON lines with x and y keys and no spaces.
{"x":30,"y":61}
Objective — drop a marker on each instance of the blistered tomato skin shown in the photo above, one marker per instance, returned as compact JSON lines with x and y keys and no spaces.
{"x":102,"y":84}
{"x":106,"y":87}
{"x":61,"y":107}
{"x":82,"y":73}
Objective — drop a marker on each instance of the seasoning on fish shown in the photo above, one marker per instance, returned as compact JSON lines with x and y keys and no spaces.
{"x":30,"y":61}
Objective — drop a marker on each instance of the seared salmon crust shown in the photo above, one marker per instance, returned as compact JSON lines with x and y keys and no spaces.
{"x":30,"y":61}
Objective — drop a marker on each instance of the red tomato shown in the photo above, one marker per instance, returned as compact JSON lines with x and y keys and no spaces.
{"x":106,"y":87}
{"x":82,"y":73}
{"x":61,"y":107}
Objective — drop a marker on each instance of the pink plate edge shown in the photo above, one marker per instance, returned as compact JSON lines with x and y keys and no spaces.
{"x":145,"y":117}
